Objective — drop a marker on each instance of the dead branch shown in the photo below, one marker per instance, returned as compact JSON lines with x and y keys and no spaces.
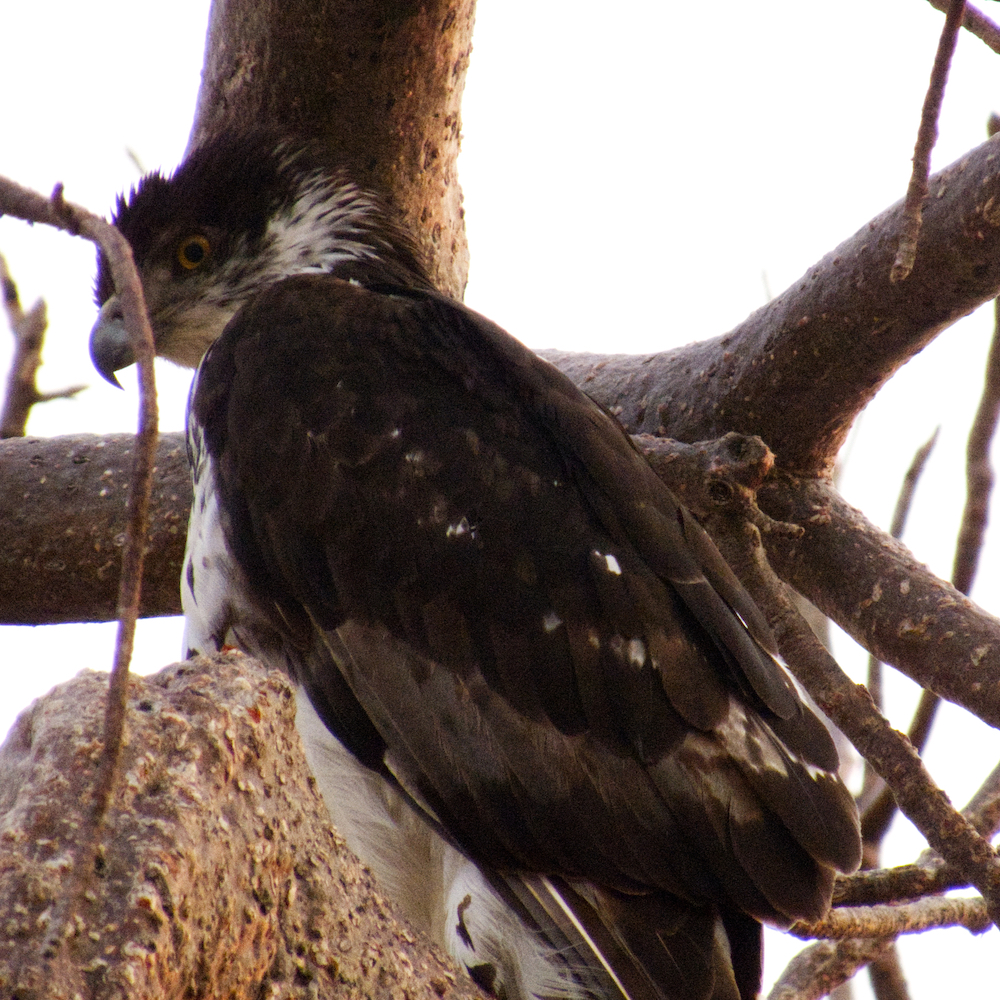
{"x":820,"y":968}
{"x":975,"y":22}
{"x":219,"y":874}
{"x":28,"y":329}
{"x":890,"y":921}
{"x":64,"y":215}
{"x":885,"y":973}
{"x":983,"y":810}
{"x":916,"y":192}
{"x":826,"y":345}
{"x":905,"y":882}
{"x":979,"y":470}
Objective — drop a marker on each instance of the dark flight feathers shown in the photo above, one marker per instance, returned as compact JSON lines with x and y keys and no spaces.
{"x":553,"y":657}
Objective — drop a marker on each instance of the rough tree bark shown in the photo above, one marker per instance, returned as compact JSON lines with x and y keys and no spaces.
{"x":379,"y":86}
{"x":220,"y":874}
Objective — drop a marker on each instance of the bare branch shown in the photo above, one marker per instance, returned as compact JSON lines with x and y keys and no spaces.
{"x":850,"y":706}
{"x":873,"y":785}
{"x":916,"y":193}
{"x":979,"y":470}
{"x":975,"y":22}
{"x":905,"y":882}
{"x":886,"y":976}
{"x":890,"y":921}
{"x":819,"y":969}
{"x":220,"y":875}
{"x":18,"y":201}
{"x":28,"y":329}
{"x":983,"y":810}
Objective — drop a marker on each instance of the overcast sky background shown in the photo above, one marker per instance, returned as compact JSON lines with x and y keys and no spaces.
{"x":632,"y":182}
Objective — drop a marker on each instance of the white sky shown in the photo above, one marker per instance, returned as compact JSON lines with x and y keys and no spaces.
{"x":631,"y":175}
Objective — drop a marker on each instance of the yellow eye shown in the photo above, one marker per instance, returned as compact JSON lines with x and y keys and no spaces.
{"x":193,"y":252}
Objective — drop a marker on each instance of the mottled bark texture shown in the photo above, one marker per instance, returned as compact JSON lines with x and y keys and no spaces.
{"x":62,"y":524}
{"x":219,"y":873}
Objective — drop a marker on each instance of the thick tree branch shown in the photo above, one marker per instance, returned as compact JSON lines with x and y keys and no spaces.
{"x":873,"y":588}
{"x":219,"y":875}
{"x":825,"y":346}
{"x":56,"y":561}
{"x":62,"y":523}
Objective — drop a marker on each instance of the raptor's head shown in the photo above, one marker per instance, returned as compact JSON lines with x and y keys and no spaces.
{"x":240,"y":213}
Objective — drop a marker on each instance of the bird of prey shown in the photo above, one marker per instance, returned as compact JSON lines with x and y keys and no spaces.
{"x":538,"y":702}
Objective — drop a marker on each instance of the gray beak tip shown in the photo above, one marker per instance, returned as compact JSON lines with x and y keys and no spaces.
{"x":109,"y":346}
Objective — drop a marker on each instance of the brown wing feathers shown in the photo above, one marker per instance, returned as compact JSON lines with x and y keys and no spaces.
{"x":555,"y":655}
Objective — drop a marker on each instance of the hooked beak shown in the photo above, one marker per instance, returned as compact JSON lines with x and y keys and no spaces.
{"x":109,"y":347}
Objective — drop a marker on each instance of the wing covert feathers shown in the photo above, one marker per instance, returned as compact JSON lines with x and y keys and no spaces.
{"x":558,"y":663}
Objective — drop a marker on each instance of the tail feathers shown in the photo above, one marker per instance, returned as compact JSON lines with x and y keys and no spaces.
{"x":641,"y":947}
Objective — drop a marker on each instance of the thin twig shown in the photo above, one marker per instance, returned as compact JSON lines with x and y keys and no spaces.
{"x":876,"y":802}
{"x":930,"y":874}
{"x":904,"y":501}
{"x":885,"y":973}
{"x":983,"y":810}
{"x":28,"y":329}
{"x":879,"y":813}
{"x":850,"y":706}
{"x":890,"y":921}
{"x":975,"y":22}
{"x":978,"y":469}
{"x":872,"y":785}
{"x":56,"y":211}
{"x":972,"y":531}
{"x":905,"y":882}
{"x":916,"y":192}
{"x":820,"y":968}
